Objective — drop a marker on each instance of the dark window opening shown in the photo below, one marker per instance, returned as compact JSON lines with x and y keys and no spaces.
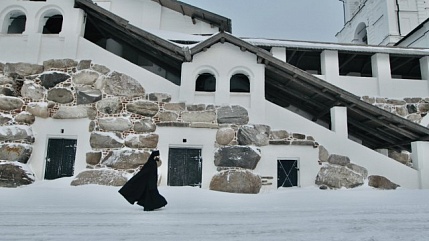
{"x":307,"y":60}
{"x":239,"y":83}
{"x":405,"y":67}
{"x":355,"y":64}
{"x":17,"y":24}
{"x":205,"y":82}
{"x":53,"y":25}
{"x":136,"y":53}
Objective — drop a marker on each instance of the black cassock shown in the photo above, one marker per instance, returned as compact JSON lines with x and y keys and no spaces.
{"x":142,"y":187}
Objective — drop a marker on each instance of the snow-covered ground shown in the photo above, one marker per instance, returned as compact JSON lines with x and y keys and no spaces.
{"x":53,"y":210}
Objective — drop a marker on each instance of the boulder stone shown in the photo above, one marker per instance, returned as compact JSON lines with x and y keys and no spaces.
{"x":100,"y":68}
{"x":197,"y":107}
{"x":15,"y":152}
{"x":232,"y":115}
{"x":32,"y":90}
{"x":72,"y":112}
{"x":237,"y":156}
{"x":51,"y":79}
{"x":13,"y":174}
{"x":6,"y":80}
{"x":224,"y":136}
{"x":10,"y":103}
{"x":112,"y":105}
{"x":59,"y":64}
{"x":93,"y":157}
{"x":115,"y":124}
{"x":60,"y":95}
{"x":160,"y":97}
{"x":199,"y":116}
{"x":105,"y":140}
{"x":402,"y":157}
{"x":39,"y":109}
{"x":84,"y":64}
{"x":381,"y":182}
{"x":25,"y":117}
{"x":144,"y":125}
{"x":359,"y":169}
{"x":16,"y":132}
{"x":122,"y":85}
{"x":279,"y":135}
{"x":104,"y":177}
{"x":4,"y":119}
{"x":335,"y":176}
{"x":236,"y":181}
{"x":168,"y":116}
{"x":142,"y":140}
{"x":22,"y":69}
{"x":7,"y":91}
{"x":125,"y":159}
{"x":258,"y":135}
{"x":338,"y":160}
{"x":175,"y":106}
{"x":87,"y":95}
{"x":323,"y":154}
{"x":143,"y":107}
{"x":85,"y":77}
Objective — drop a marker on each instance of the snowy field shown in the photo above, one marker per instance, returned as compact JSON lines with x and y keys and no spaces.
{"x":53,"y":210}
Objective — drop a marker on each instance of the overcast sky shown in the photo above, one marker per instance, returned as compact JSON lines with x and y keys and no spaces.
{"x":312,"y":20}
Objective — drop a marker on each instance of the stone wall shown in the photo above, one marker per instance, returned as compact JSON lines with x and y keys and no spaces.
{"x":123,"y":123}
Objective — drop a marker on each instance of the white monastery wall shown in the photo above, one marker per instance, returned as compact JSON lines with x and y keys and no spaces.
{"x":150,"y":15}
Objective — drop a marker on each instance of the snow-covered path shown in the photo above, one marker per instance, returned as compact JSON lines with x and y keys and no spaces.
{"x":53,"y":210}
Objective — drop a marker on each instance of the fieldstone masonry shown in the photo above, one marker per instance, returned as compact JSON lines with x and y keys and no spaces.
{"x":124,"y":119}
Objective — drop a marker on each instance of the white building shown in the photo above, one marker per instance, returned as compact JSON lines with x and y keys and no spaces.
{"x":357,"y":101}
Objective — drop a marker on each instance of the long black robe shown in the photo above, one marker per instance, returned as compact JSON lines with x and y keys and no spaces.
{"x":142,"y":187}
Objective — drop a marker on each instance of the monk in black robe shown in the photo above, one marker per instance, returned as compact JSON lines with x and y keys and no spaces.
{"x":143,"y":187}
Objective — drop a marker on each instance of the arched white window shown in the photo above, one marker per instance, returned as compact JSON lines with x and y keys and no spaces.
{"x":205,"y":82}
{"x":14,"y":22}
{"x":239,"y":83}
{"x":361,"y":36}
{"x":51,"y":22}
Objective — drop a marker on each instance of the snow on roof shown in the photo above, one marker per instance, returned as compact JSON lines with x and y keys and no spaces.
{"x":335,"y":46}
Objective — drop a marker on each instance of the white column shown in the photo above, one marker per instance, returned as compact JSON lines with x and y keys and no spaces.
{"x":381,"y":70}
{"x":420,"y":157}
{"x":339,"y":121}
{"x":329,"y":66}
{"x":424,"y":67}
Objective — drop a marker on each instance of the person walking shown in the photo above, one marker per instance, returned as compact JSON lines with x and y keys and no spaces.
{"x":143,"y":187}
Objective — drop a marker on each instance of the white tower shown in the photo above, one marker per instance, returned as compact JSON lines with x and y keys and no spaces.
{"x":381,"y":22}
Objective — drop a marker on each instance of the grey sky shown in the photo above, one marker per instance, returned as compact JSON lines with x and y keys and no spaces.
{"x":312,"y":20}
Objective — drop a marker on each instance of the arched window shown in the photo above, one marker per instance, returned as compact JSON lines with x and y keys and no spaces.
{"x":15,"y":22}
{"x":239,"y":83}
{"x":53,"y":24}
{"x":361,"y":36}
{"x":206,"y":82}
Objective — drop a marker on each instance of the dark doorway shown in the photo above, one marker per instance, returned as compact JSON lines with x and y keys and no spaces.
{"x":184,"y":167}
{"x":60,"y":158}
{"x":287,"y":173}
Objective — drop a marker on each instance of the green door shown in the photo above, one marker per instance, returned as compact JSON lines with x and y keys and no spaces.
{"x":184,"y":167}
{"x":60,"y":158}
